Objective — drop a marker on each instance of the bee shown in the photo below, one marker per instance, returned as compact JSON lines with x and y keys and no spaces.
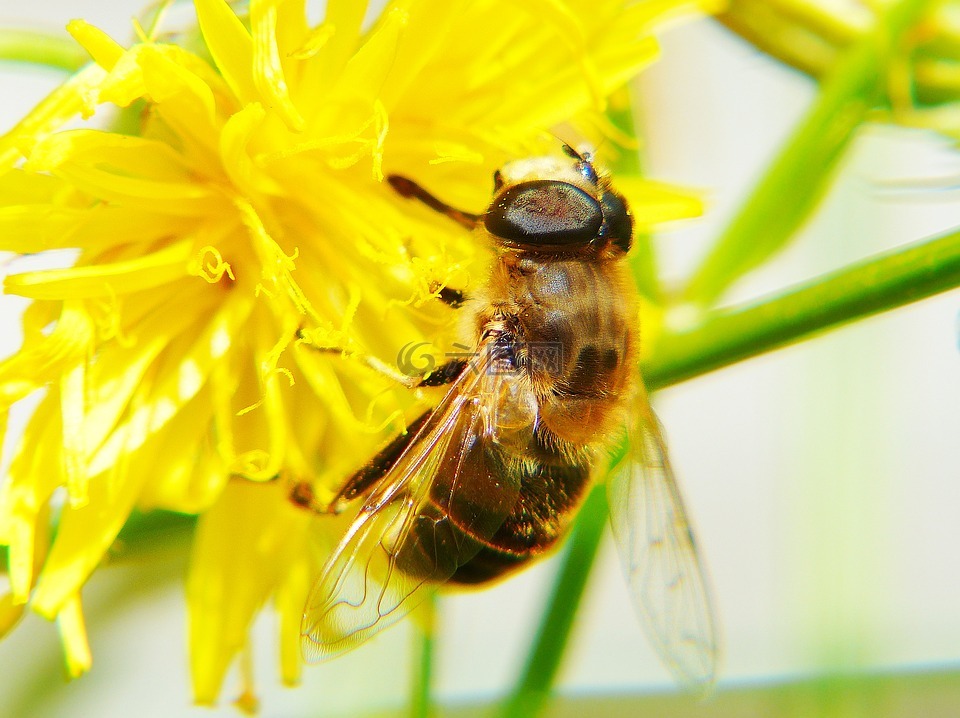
{"x":493,"y":476}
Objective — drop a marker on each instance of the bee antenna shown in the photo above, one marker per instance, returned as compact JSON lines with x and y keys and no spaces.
{"x":569,"y":151}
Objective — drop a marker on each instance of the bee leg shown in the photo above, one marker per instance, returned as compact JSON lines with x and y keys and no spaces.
{"x":371,"y":362}
{"x":376,"y":468}
{"x":408,"y":188}
{"x":444,"y":374}
{"x":453,"y":298}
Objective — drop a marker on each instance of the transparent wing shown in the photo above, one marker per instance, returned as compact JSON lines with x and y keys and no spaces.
{"x":429,"y":515}
{"x":659,"y":555}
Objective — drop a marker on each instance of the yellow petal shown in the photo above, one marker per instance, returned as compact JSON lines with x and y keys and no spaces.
{"x":186,"y":92}
{"x":268,"y":72}
{"x":238,"y":556}
{"x":27,"y":229}
{"x":332,"y":49}
{"x":105,"y":279}
{"x":72,"y":409}
{"x":292,"y":32}
{"x":85,"y":533}
{"x":171,"y":378}
{"x":234,"y":141}
{"x":102,"y":48}
{"x":76,"y":96}
{"x":290,"y":598}
{"x":18,"y":187}
{"x":44,"y":356}
{"x":10,"y":613}
{"x":129,"y":170}
{"x":73,"y":634}
{"x":366,"y":71}
{"x":230,"y":46}
{"x":652,"y":203}
{"x":124,"y":83}
{"x":32,"y":228}
{"x":123,"y":154}
{"x":34,"y":474}
{"x":193,"y":473}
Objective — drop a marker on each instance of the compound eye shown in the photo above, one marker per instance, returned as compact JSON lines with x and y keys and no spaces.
{"x":618,"y":224}
{"x":544,"y":213}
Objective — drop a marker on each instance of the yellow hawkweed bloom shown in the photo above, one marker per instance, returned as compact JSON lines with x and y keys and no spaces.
{"x":237,"y":252}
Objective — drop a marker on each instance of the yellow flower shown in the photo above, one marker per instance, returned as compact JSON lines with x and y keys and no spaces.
{"x":237,"y":251}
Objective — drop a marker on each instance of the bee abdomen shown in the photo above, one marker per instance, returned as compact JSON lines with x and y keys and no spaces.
{"x":551,"y":490}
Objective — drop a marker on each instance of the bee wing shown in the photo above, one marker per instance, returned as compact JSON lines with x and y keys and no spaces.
{"x":659,"y":555}
{"x":427,"y":516}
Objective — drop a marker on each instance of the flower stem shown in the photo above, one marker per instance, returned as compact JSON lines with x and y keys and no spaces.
{"x":421,"y":703}
{"x":889,"y":280}
{"x":42,"y":48}
{"x":811,"y":36}
{"x":795,"y":181}
{"x":553,"y":634}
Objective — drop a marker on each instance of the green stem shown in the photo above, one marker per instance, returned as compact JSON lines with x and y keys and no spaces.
{"x":421,"y":704}
{"x":533,"y":689}
{"x":811,"y":36}
{"x":795,"y":181}
{"x":889,"y":280}
{"x":42,"y":48}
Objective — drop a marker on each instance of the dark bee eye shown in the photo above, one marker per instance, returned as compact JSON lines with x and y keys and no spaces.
{"x":617,"y":222}
{"x":545,"y":212}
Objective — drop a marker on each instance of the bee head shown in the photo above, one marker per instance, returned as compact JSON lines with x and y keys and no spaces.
{"x":549,"y":205}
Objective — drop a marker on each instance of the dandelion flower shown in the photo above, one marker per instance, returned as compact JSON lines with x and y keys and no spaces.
{"x":236,"y":252}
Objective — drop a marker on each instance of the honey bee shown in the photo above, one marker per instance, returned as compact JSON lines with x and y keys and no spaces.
{"x":493,"y":476}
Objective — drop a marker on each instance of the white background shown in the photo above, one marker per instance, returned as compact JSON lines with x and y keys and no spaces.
{"x":823,"y":478}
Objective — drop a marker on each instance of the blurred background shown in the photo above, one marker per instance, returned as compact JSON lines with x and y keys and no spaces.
{"x":823,"y":479}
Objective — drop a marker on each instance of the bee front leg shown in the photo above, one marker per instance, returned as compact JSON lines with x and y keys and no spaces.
{"x":453,"y":298}
{"x":376,"y":468}
{"x":406,"y":187}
